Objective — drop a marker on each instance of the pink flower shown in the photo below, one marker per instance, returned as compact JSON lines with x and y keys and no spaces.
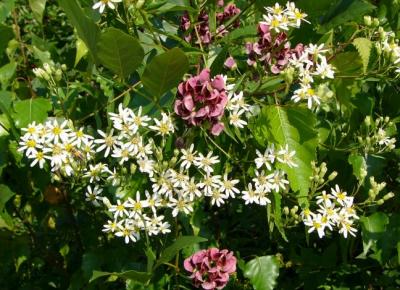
{"x":201,"y":99}
{"x":210,"y":268}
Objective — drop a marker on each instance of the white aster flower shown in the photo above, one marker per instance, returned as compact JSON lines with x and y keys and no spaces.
{"x":93,"y":195}
{"x":286,"y":157}
{"x":235,"y":119}
{"x":206,"y":162}
{"x":315,"y":223}
{"x":209,"y":183}
{"x":277,"y":180}
{"x":182,"y":204}
{"x":108,"y":142}
{"x":324,"y":70}
{"x":188,"y":157}
{"x":146,"y":165}
{"x":38,"y":158}
{"x":164,"y":126}
{"x":250,"y":195}
{"x":120,"y":209}
{"x":228,"y":186}
{"x":102,"y":4}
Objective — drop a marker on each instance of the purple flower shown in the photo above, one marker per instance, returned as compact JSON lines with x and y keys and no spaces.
{"x":210,"y":269}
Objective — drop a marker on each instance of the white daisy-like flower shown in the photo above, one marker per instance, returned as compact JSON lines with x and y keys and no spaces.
{"x":277,"y":180}
{"x":102,"y":4}
{"x":324,"y":70}
{"x":112,"y":226}
{"x":129,"y":233}
{"x":209,"y":183}
{"x":188,"y":157}
{"x":285,"y":156}
{"x":235,"y":119}
{"x":108,"y":142}
{"x":315,"y":223}
{"x":165,"y":126}
{"x":93,"y":195}
{"x":146,"y":165}
{"x":136,"y":206}
{"x":250,"y":195}
{"x":38,"y":158}
{"x":120,"y":209}
{"x":228,"y":186}
{"x":181,"y":204}
{"x":57,"y":132}
{"x":206,"y":162}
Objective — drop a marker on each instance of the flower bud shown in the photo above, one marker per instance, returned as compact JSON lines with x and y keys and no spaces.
{"x":64,"y":67}
{"x":133,"y":168}
{"x":286,"y":210}
{"x":58,"y":75}
{"x":51,"y":223}
{"x":380,"y":202}
{"x":367,"y":20}
{"x":375,"y":22}
{"x":332,"y":176}
{"x":367,"y":120}
{"x":388,"y":196}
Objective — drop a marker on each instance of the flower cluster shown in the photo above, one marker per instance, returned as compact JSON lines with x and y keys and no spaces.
{"x":50,"y":72}
{"x":281,"y":18}
{"x":201,"y":99}
{"x":273,"y":48}
{"x":201,"y":30}
{"x":311,"y":65}
{"x":210,"y":269}
{"x":66,"y":149}
{"x":336,"y":211}
{"x":376,"y":136}
{"x":273,"y":179}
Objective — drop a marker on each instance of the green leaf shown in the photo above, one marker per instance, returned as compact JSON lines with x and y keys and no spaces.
{"x":5,"y":9}
{"x":5,"y":195}
{"x":142,"y":277}
{"x":347,"y":63}
{"x":86,"y":28}
{"x":165,"y":71}
{"x":27,"y":111}
{"x":6,"y":73}
{"x":375,"y":223}
{"x":292,"y":126}
{"x":119,"y":52}
{"x":344,"y":11}
{"x":6,"y":34}
{"x":262,"y":272}
{"x":363,"y":46}
{"x":81,"y":50}
{"x":181,"y":242}
{"x":373,"y":227}
{"x":359,"y":166}
{"x":38,"y":7}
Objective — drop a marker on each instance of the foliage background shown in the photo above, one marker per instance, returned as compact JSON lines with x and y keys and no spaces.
{"x":50,"y":238}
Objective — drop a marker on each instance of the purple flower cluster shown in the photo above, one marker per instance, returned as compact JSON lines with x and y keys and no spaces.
{"x":272,"y":50}
{"x":201,"y":99}
{"x":202,"y":25}
{"x":211,"y":268}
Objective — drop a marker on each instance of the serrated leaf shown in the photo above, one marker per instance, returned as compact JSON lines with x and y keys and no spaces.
{"x":119,"y":52}
{"x":363,"y":46}
{"x":262,"y":272}
{"x":86,"y":28}
{"x":38,"y":7}
{"x":293,"y":127}
{"x":181,"y":242}
{"x":278,"y":214}
{"x":27,"y":111}
{"x":165,"y":71}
